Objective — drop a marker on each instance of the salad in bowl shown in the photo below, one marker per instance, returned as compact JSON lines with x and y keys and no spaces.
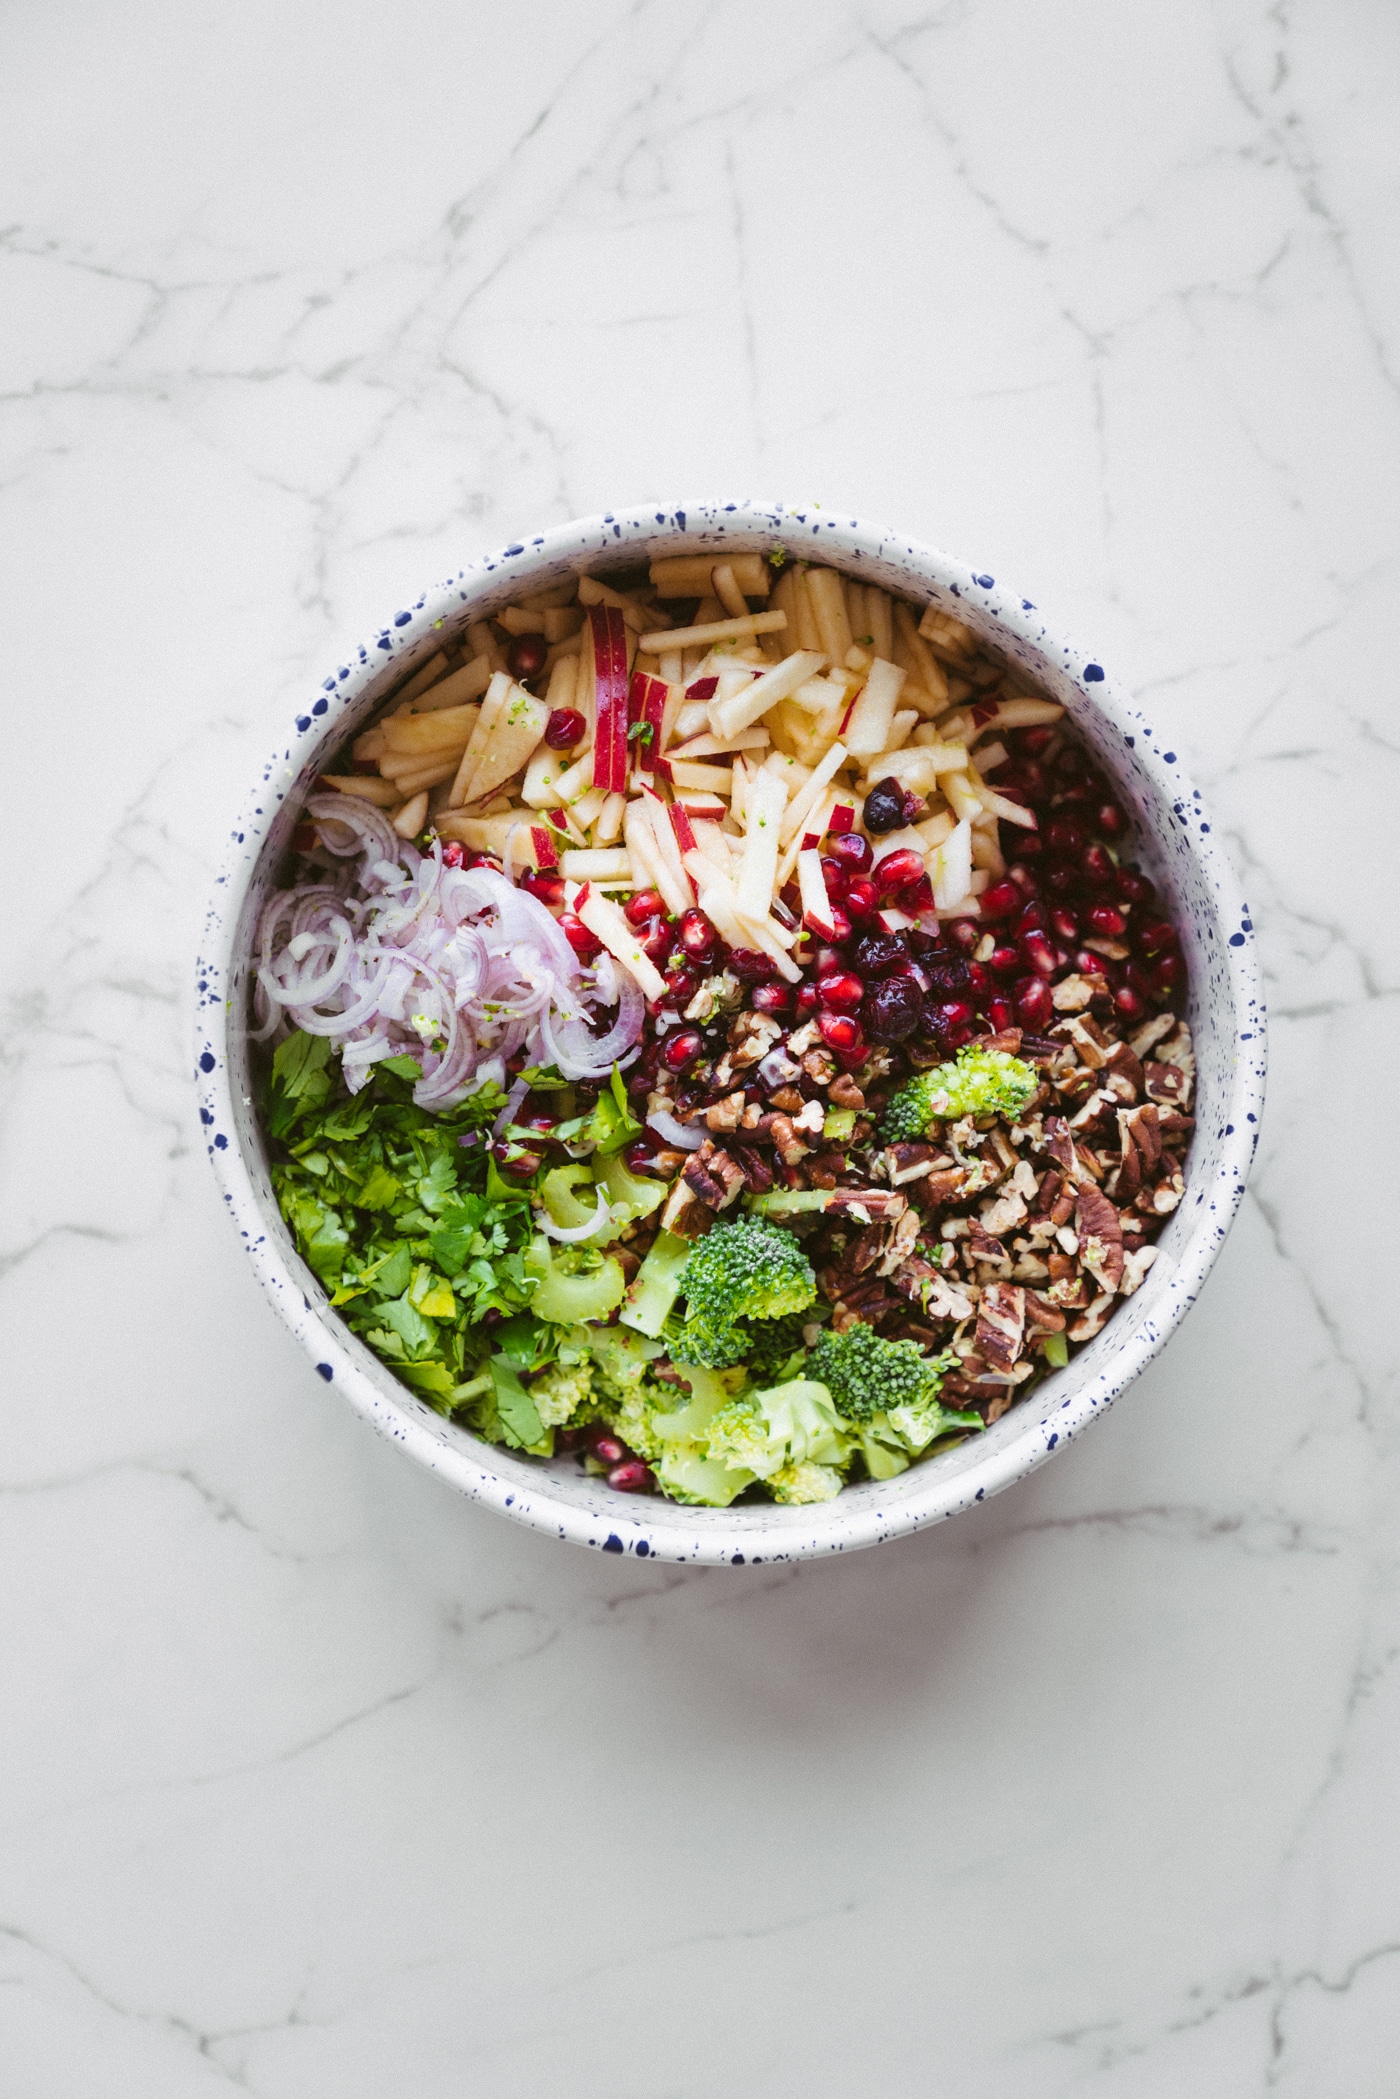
{"x":713,"y":1025}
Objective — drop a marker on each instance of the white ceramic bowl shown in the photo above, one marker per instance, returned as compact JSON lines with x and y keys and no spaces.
{"x":1177,"y":845}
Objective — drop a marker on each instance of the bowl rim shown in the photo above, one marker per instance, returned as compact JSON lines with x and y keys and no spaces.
{"x":654,"y":1527}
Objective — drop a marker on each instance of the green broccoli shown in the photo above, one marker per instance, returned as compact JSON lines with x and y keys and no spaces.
{"x":981,"y":1082}
{"x":560,"y":1391}
{"x":806,"y":1483}
{"x":867,"y":1375}
{"x":771,"y":1344}
{"x":790,"y":1424}
{"x":745,"y":1270}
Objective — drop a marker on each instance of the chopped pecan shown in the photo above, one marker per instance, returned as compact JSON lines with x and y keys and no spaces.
{"x":866,"y":1204}
{"x":1052,"y":1181}
{"x":1167,"y":1084}
{"x":911,"y":1160}
{"x":725,"y":1114}
{"x":1124,"y":1065}
{"x":1100,"y":1238}
{"x":1151,"y":1033}
{"x":1092,"y":1322}
{"x":1042,"y":1315}
{"x":1090,"y":1043}
{"x":1073,"y":993}
{"x":983,"y":1247}
{"x":899,"y":1236}
{"x":789,"y":1145}
{"x":1141,"y":1127}
{"x":1173,"y":1126}
{"x":1009,"y":1040}
{"x":844,"y":1092}
{"x":757,"y":1172}
{"x":1135,"y":1268}
{"x":713,"y":1176}
{"x":1004,"y":1212}
{"x":685,"y":1214}
{"x":926,"y":1286}
{"x":1001,"y":1323}
{"x":751,"y":1036}
{"x":1163,"y":1199}
{"x":788,"y":1100}
{"x":819,"y":1065}
{"x":823,"y":1168}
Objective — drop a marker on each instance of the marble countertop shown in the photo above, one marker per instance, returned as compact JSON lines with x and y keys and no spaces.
{"x":319,"y":1781}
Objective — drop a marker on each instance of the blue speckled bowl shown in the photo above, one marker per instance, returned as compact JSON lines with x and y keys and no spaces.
{"x":1226,"y":1014}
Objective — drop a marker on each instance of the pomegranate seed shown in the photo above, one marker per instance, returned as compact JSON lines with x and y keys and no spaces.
{"x":606,"y":1448}
{"x":525,"y":657}
{"x":1166,"y":972}
{"x":644,"y":905}
{"x":1005,"y":960}
{"x":1038,"y":739}
{"x":520,"y":1165}
{"x":898,"y":870}
{"x":1064,"y":922}
{"x":548,"y":888}
{"x":1063,"y":835}
{"x":1134,"y":888}
{"x":955,"y":1038}
{"x":773,"y":998}
{"x":843,"y":994}
{"x":1033,"y":915}
{"x":654,"y":939}
{"x":564,"y":728}
{"x":1034,"y":1007}
{"x":1029,"y":846}
{"x":1036,"y":949}
{"x":1129,"y":1003}
{"x":452,"y":854}
{"x":834,"y":876}
{"x":1000,"y":899}
{"x":1088,"y":963}
{"x":640,"y":1157}
{"x":978,"y":982}
{"x":964,"y":933}
{"x":679,"y":1051}
{"x":862,"y":897}
{"x":1096,"y":866}
{"x":851,"y":850}
{"x":839,"y":1031}
{"x":698,"y":936}
{"x":750,"y":965}
{"x":1059,"y":877}
{"x":1023,"y":878}
{"x":918,"y":896}
{"x":1156,"y":938}
{"x":840,"y":925}
{"x":681,"y":986}
{"x":1133,"y":973}
{"x":1109,"y":819}
{"x":630,"y":1477}
{"x":951,"y":1013}
{"x":806,"y":1001}
{"x":579,"y":938}
{"x":1001,"y":1013}
{"x":1107,"y":922}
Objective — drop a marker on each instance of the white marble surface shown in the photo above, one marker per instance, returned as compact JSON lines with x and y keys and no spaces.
{"x":319,"y":1782}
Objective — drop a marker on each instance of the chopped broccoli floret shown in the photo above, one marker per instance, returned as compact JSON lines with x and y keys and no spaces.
{"x":771,"y":1344}
{"x":868,"y":1375}
{"x":806,"y":1483}
{"x":888,"y":1442}
{"x":745,"y":1270}
{"x":560,"y":1391}
{"x":981,"y":1082}
{"x":790,"y":1424}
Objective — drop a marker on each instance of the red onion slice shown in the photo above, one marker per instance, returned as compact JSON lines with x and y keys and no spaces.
{"x":674,"y":1132}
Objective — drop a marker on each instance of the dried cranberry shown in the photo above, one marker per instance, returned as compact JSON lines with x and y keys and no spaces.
{"x":851,"y":850}
{"x":583,"y":943}
{"x":644,"y":905}
{"x":632,"y":1476}
{"x":878,"y":953}
{"x":525,"y":658}
{"x":679,"y":1051}
{"x":548,"y":888}
{"x":1000,"y":899}
{"x":862,"y":898}
{"x":949,"y":976}
{"x":1106,"y":922}
{"x":894,"y":1009}
{"x":750,"y":965}
{"x":1034,"y":1006}
{"x":898,"y":871}
{"x":884,"y":807}
{"x":564,"y":729}
{"x":841,"y":1032}
{"x":698,"y":937}
{"x":834,"y":876}
{"x":771,"y":998}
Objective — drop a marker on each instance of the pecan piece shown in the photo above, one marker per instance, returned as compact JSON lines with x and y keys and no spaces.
{"x":819,"y":1065}
{"x":844,"y":1092}
{"x":984,"y":1247}
{"x":757,"y":1172}
{"x":1168,"y":1085}
{"x":685,"y":1214}
{"x":1100,"y":1238}
{"x":725,"y":1114}
{"x":1001,"y":1323}
{"x":714,"y":1176}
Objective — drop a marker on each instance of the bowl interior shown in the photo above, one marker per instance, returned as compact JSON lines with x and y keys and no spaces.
{"x":1173,"y":843}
